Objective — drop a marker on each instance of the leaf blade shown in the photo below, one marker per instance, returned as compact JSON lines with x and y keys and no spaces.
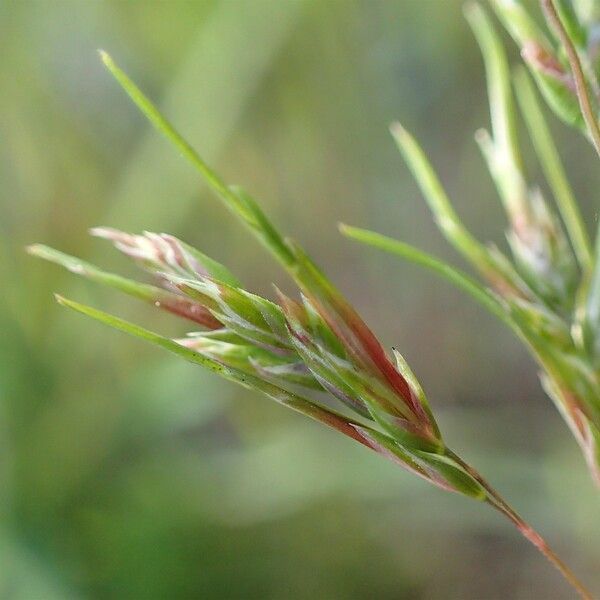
{"x":314,"y":410}
{"x":235,"y":199}
{"x":499,"y":272}
{"x":455,"y":276}
{"x":552,"y":166}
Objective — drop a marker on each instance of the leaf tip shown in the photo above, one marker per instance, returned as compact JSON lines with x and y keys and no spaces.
{"x":481,"y":134}
{"x":280,"y":295}
{"x":112,"y":235}
{"x":34,"y":249}
{"x":349,"y":231}
{"x":61,"y":299}
{"x":397,"y":130}
{"x":106,"y":58}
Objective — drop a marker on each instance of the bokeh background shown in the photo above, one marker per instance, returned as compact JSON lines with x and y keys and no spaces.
{"x":126,"y":473}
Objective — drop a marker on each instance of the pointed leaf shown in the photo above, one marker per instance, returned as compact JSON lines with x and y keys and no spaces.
{"x":552,"y":167}
{"x":503,"y":155}
{"x":447,"y":219}
{"x":237,"y":201}
{"x":310,"y":409}
{"x":459,"y":279}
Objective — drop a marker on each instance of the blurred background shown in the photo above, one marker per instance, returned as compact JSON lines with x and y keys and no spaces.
{"x":127,"y":473}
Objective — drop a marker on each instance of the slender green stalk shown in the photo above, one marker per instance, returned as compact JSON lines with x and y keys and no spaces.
{"x":443,"y":211}
{"x":233,"y":199}
{"x":436,"y":196}
{"x":502,"y":152}
{"x":581,"y":87}
{"x":553,"y":168}
{"x":498,"y":82}
{"x":455,"y":276}
{"x":496,"y":500}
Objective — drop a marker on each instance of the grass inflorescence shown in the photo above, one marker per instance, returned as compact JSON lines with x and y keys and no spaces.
{"x":547,"y":292}
{"x":316,"y":355}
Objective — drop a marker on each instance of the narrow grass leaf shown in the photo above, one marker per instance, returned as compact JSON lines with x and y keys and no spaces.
{"x":502,"y":154}
{"x":554,"y":83}
{"x":239,"y":202}
{"x":314,"y":410}
{"x":445,"y":215}
{"x":459,"y":279}
{"x":553,"y":167}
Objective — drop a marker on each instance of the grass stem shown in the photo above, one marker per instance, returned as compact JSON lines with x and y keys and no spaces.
{"x":553,"y":168}
{"x":528,"y":532}
{"x":581,"y":88}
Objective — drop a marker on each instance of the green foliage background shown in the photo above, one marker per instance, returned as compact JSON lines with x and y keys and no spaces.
{"x":125,"y":473}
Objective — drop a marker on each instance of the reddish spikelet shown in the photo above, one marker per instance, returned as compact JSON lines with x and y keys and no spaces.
{"x":363,"y":345}
{"x":188,"y":309}
{"x":401,"y":406}
{"x":357,"y":337}
{"x":540,"y":59}
{"x":158,"y":251}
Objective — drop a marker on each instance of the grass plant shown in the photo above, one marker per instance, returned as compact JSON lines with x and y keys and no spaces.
{"x":315,"y":354}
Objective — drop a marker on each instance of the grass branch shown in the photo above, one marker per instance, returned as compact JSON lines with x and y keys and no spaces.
{"x":553,"y":167}
{"x":581,"y":87}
